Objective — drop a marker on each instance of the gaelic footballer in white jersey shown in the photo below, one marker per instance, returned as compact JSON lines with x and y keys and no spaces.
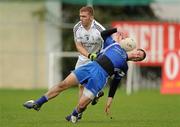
{"x":90,"y":39}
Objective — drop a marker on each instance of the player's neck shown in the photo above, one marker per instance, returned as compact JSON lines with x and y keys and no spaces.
{"x":88,"y":26}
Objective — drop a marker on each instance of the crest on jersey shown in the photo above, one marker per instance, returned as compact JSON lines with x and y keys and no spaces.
{"x":87,"y":37}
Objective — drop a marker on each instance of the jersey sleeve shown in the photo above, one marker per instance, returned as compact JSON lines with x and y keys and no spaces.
{"x":76,"y":32}
{"x":106,"y":33}
{"x":114,"y":85}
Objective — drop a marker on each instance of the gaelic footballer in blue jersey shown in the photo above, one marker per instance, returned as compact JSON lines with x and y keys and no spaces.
{"x":112,"y":61}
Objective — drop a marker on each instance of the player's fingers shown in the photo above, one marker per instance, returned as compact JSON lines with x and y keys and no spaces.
{"x":107,"y":110}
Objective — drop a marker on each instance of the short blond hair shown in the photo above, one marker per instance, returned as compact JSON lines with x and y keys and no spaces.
{"x":88,"y":9}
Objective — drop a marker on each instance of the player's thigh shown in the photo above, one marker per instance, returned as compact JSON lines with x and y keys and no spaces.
{"x":71,"y":80}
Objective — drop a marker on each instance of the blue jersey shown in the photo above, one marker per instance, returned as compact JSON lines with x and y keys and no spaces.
{"x":109,"y":40}
{"x":116,"y":54}
{"x":111,"y":60}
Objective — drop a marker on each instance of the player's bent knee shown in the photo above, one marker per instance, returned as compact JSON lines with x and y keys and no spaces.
{"x":88,"y":93}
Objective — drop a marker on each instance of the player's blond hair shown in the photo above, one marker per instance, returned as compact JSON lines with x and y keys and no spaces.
{"x":88,"y":9}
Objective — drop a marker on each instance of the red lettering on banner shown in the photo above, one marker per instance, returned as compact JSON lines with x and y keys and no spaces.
{"x":154,"y":37}
{"x":171,"y":73}
{"x":162,"y":44}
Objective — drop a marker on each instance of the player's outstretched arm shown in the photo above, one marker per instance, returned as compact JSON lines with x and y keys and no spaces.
{"x":107,"y":33}
{"x":108,"y":105}
{"x":112,"y":90}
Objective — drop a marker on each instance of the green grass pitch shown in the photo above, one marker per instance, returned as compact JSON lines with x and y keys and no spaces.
{"x":146,"y":108}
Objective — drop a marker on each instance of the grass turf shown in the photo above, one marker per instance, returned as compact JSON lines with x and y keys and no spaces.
{"x":146,"y":108}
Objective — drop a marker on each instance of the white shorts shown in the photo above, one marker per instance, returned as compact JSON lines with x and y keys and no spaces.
{"x":81,"y":62}
{"x":88,"y":93}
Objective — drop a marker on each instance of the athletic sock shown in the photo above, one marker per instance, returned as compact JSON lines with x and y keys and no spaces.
{"x":42,"y":100}
{"x":75,"y":112}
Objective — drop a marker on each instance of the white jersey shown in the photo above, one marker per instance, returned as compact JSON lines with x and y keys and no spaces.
{"x":90,"y":39}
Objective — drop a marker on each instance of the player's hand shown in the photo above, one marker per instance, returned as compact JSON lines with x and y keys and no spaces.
{"x":107,"y":109}
{"x":92,"y":56}
{"x":108,"y":105}
{"x":122,"y":33}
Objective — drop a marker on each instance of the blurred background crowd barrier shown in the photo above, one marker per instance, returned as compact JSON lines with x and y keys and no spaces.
{"x":37,"y":48}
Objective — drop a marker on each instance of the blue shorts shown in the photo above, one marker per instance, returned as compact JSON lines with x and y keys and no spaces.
{"x":92,"y":76}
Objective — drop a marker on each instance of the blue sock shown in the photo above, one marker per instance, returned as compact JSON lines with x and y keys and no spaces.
{"x":42,"y":100}
{"x":75,"y":112}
